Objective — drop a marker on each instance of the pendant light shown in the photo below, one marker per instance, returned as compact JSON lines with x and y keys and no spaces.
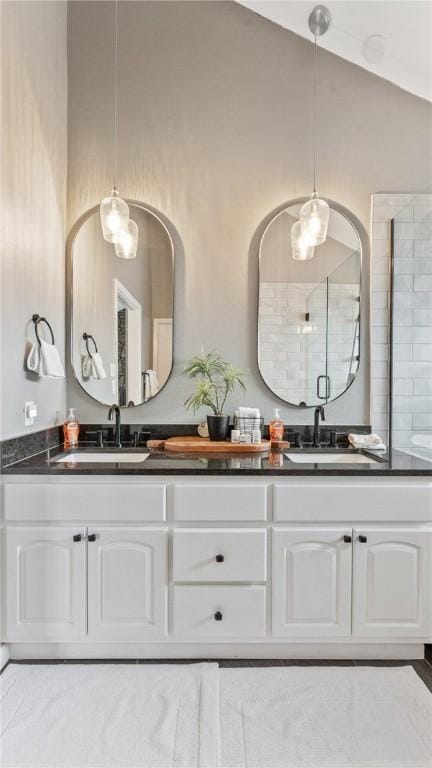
{"x":301,"y":248}
{"x":114,"y":212}
{"x":126,"y":245}
{"x":315,"y":213}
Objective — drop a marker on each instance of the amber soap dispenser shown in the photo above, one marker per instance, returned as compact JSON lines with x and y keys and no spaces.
{"x":71,"y":430}
{"x":276,"y":427}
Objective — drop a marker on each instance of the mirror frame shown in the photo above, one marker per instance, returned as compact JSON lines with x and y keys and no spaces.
{"x":363,"y":247}
{"x":73,"y":233}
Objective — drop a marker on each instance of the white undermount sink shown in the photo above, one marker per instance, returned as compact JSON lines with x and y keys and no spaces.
{"x":330,"y":458}
{"x":102,"y":458}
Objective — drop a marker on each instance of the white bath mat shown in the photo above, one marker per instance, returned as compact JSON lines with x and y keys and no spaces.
{"x":325,"y":717}
{"x":103,"y":715}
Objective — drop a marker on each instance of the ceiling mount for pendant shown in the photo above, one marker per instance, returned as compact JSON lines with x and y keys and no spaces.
{"x":319,"y":20}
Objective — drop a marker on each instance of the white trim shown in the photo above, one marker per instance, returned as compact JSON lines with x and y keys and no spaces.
{"x":158,"y":323}
{"x":216,"y":650}
{"x":134,"y":340}
{"x":4,"y":655}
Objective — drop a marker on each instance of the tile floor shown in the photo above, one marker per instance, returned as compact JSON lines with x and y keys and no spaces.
{"x":423,"y":667}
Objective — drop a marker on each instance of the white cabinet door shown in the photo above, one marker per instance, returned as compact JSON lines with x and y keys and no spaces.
{"x":392,"y":583}
{"x":127,"y":582}
{"x":311,"y":582}
{"x":46,"y":583}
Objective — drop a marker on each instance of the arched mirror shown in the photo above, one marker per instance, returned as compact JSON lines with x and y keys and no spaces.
{"x":309,"y":311}
{"x":122,"y":310}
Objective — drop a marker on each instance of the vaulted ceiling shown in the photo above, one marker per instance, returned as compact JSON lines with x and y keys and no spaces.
{"x":392,"y":38}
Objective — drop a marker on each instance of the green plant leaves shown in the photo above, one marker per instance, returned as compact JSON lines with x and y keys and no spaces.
{"x":216,"y":380}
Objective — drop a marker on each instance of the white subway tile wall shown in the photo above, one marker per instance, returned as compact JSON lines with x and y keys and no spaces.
{"x":293,"y":349}
{"x":412,"y":317}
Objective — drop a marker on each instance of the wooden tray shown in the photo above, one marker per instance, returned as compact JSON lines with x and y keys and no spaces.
{"x":204,"y":445}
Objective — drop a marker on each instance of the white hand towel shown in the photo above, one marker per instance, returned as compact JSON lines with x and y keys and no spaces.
{"x":152,"y":384}
{"x":249,"y":413}
{"x":86,"y":366}
{"x":45,"y":361}
{"x":98,"y":366}
{"x":249,"y":419}
{"x":92,"y":366}
{"x":370,"y":442}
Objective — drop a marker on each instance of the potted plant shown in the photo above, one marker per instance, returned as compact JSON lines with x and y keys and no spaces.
{"x":216,"y":379}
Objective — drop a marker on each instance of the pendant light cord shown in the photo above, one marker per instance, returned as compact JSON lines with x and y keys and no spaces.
{"x":115,"y":89}
{"x":314,"y":112}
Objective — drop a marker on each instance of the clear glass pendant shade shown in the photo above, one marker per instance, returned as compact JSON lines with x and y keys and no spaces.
{"x":126,"y":247}
{"x":301,"y":248}
{"x":114,"y":213}
{"x":314,"y":218}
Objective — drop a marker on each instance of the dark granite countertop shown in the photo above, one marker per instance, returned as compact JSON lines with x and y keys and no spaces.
{"x":274,"y":464}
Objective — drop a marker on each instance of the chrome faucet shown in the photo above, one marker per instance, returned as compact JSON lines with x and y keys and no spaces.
{"x":319,"y":413}
{"x":115,"y":409}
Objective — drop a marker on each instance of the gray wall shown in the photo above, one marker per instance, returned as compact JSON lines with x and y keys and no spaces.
{"x":33,"y":205}
{"x":216,"y":132}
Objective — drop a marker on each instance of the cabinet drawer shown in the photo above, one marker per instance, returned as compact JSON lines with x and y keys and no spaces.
{"x":90,"y":502}
{"x":219,"y":555}
{"x":241,"y":611}
{"x":231,"y":501}
{"x":324,"y":501}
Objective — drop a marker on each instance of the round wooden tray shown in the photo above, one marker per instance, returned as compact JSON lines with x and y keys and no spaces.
{"x":204,"y":445}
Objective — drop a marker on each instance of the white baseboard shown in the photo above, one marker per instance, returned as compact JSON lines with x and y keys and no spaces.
{"x":323,"y":651}
{"x":4,"y":655}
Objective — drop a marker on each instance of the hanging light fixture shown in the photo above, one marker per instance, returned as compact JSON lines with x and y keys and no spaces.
{"x":126,"y":245}
{"x":114,"y":212}
{"x":301,"y":248}
{"x":315,"y":213}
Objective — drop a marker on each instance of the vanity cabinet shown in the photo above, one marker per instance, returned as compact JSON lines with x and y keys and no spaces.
{"x":217,"y":567}
{"x":392,"y":594}
{"x":127,"y":582}
{"x":46,"y":589}
{"x":311,"y":582}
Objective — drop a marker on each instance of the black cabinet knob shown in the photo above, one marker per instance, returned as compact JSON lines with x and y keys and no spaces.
{"x":220,"y":558}
{"x":91,"y":537}
{"x":362,"y":539}
{"x":347,"y":539}
{"x":218,"y":616}
{"x":77,"y":537}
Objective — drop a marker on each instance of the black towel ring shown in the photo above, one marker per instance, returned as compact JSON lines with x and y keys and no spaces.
{"x":87,"y":337}
{"x":38,"y":319}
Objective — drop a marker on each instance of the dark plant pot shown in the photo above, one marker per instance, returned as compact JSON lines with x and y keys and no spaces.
{"x":218,"y":427}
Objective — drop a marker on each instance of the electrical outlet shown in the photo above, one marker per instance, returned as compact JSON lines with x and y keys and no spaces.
{"x":30,"y":413}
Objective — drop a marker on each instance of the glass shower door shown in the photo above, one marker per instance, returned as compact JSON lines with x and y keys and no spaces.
{"x":411,"y":329}
{"x":317,"y":388}
{"x":343,"y":347}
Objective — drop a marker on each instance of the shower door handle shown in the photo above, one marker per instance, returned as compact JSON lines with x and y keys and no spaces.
{"x":327,"y":387}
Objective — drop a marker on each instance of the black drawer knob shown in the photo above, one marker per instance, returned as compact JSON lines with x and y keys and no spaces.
{"x":77,"y":537}
{"x":220,"y":558}
{"x":362,"y":539}
{"x":347,"y":539}
{"x":218,"y":616}
{"x":91,"y":537}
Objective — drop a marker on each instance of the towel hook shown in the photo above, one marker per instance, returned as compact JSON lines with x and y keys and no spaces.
{"x":87,"y":337}
{"x":38,"y":319}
